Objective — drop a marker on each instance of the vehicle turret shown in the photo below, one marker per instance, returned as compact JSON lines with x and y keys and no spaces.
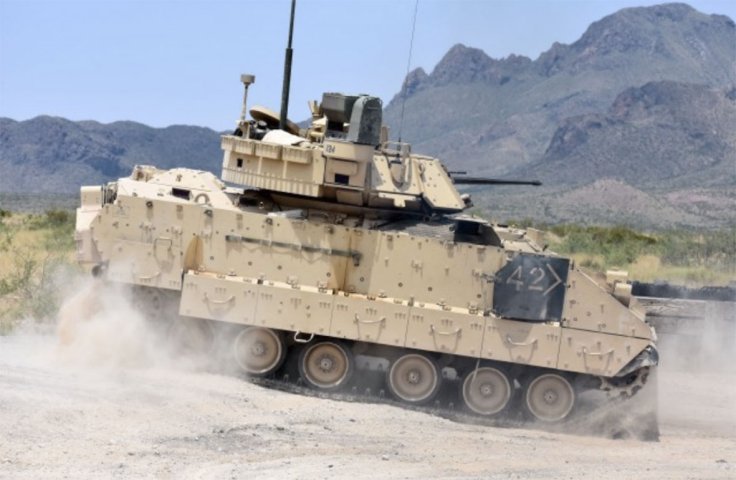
{"x":344,"y":158}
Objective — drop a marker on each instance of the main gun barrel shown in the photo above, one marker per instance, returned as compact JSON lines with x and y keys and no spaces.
{"x":492,"y":181}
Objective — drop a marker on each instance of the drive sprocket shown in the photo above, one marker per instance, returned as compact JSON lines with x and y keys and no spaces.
{"x":626,"y":386}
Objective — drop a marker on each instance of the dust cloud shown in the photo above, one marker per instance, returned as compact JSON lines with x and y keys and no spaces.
{"x":705,"y":344}
{"x":108,"y":325}
{"x":697,"y":372}
{"x":100,"y":326}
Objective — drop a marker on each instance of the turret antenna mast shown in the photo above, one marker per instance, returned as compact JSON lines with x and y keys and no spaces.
{"x":408,"y":65}
{"x":287,"y":73}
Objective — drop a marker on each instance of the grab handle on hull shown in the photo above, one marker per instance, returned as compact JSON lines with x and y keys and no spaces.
{"x":519,"y":344}
{"x":218,"y":302}
{"x":434,"y":331}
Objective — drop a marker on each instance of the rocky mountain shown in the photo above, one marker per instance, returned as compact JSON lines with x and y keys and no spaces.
{"x":55,"y":155}
{"x":495,"y":115}
{"x":663,"y":134}
{"x":663,"y":155}
{"x":635,"y":122}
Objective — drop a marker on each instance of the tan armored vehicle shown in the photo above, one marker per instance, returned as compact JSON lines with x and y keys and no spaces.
{"x":335,"y":249}
{"x":330,"y":243}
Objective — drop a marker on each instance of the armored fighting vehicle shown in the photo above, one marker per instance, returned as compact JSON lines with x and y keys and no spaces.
{"x":335,"y":249}
{"x":331,"y":242}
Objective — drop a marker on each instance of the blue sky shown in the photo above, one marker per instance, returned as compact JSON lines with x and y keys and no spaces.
{"x":164,"y":62}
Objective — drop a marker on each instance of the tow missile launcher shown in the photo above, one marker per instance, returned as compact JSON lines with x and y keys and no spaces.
{"x":339,"y":251}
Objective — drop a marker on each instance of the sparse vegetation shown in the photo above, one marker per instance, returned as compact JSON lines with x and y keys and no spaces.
{"x":677,"y":256}
{"x":35,"y":253}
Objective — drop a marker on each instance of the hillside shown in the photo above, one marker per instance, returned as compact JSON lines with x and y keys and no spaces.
{"x":52,"y":154}
{"x":662,"y":155}
{"x":664,"y":134}
{"x":635,"y":122}
{"x":494,"y":115}
{"x":611,"y":202}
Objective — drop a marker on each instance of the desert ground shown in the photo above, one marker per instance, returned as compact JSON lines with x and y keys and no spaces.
{"x":112,"y":404}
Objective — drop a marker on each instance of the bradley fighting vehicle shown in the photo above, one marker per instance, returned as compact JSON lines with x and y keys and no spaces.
{"x":340,"y":251}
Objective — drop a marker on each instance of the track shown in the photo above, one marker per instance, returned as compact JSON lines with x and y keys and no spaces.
{"x":595,"y":412}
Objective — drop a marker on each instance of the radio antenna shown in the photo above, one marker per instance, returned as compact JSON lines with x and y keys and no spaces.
{"x":287,"y":73}
{"x":408,"y":65}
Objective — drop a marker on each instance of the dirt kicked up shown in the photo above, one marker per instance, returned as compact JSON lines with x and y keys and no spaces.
{"x":113,"y":401}
{"x":100,"y":416}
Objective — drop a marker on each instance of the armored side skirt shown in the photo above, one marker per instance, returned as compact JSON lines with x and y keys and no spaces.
{"x":394,"y":322}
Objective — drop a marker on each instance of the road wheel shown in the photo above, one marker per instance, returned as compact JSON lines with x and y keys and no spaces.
{"x":549,"y":397}
{"x":486,"y":391}
{"x":414,"y":378}
{"x":259,"y":351}
{"x":326,"y":365}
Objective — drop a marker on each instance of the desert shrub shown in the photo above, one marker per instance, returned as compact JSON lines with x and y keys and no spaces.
{"x":617,"y":245}
{"x":32,"y":269}
{"x":701,"y":252}
{"x":715,"y":250}
{"x":591,"y":263}
{"x":57,"y":218}
{"x":3,"y":215}
{"x":53,"y":219}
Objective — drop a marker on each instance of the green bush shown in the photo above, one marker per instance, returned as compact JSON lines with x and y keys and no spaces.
{"x":3,"y":215}
{"x":620,"y":246}
{"x":592,"y":264}
{"x":54,"y":219}
{"x":617,"y":245}
{"x":58,"y":217}
{"x":716,"y":250}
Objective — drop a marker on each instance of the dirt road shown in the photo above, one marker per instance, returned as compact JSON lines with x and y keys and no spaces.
{"x":63,"y":417}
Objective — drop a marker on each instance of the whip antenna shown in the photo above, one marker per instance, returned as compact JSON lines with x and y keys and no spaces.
{"x":408,"y":65}
{"x":287,"y":74}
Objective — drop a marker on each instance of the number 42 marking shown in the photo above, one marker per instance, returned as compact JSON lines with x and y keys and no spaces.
{"x":538,"y":275}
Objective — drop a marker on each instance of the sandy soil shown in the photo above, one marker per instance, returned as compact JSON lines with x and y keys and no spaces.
{"x":65,"y":416}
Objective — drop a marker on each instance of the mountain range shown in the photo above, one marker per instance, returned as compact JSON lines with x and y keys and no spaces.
{"x":495,"y":114}
{"x":56,"y":155}
{"x":635,"y":123}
